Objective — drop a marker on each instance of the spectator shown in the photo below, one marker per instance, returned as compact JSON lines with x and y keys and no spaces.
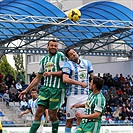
{"x":124,"y":96}
{"x":6,"y":98}
{"x":124,"y":114}
{"x":112,"y":101}
{"x":105,"y":79}
{"x":3,"y":87}
{"x":114,"y":92}
{"x":8,"y":79}
{"x":119,"y":108}
{"x":107,"y":97}
{"x":19,"y":86}
{"x":13,"y":83}
{"x":19,"y":78}
{"x":128,"y":78}
{"x":122,"y":79}
{"x":128,"y":108}
{"x":13,"y":93}
{"x":120,"y":101}
{"x":1,"y":77}
{"x":116,"y":114}
{"x":23,"y":78}
{"x":116,"y":78}
{"x":108,"y":110}
{"x":23,"y":104}
{"x":99,"y":75}
{"x":119,"y":92}
{"x":32,"y":76}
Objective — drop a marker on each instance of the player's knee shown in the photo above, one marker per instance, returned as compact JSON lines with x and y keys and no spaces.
{"x":53,"y":115}
{"x":69,"y":123}
{"x":39,"y":114}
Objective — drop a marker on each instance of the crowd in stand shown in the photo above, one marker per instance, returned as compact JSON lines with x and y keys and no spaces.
{"x":117,"y":90}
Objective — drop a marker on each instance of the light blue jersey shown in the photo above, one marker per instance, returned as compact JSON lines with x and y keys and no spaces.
{"x":78,"y":72}
{"x":32,"y":105}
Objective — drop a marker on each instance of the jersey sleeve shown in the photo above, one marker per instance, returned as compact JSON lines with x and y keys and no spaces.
{"x":41,"y":67}
{"x":66,"y":68}
{"x":90,"y":68}
{"x":62,"y":60}
{"x":29,"y":105}
{"x":99,"y":104}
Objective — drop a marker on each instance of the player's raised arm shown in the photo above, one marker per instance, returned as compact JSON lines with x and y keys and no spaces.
{"x":34,"y":82}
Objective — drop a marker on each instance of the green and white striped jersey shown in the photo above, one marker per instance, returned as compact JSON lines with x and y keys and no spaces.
{"x":53,"y":64}
{"x":95,"y":102}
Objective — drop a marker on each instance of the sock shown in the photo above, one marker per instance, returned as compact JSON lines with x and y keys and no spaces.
{"x":67,"y":130}
{"x":76,"y":128}
{"x":55,"y":125}
{"x":35,"y":125}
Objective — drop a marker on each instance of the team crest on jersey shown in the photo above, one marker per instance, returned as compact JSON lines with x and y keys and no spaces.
{"x":49,"y":66}
{"x":82,"y":74}
{"x":87,"y":105}
{"x":68,"y":114}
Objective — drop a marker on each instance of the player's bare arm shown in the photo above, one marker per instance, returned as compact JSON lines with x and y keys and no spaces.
{"x":58,"y":74}
{"x":78,"y":106}
{"x":25,"y":112}
{"x":92,"y":75}
{"x":34,"y":82}
{"x":95,"y":115}
{"x":68,"y":80}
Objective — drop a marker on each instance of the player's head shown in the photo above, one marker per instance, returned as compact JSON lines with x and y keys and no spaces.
{"x":96,"y":83}
{"x":71,"y":54}
{"x":34,"y":93}
{"x":52,"y":47}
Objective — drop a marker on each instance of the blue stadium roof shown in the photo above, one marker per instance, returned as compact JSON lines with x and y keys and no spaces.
{"x":25,"y":7}
{"x":102,"y":10}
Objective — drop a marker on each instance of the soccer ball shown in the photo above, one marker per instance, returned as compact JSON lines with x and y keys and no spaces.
{"x":74,"y":15}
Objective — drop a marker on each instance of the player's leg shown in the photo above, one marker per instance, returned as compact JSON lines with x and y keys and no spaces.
{"x":79,"y":129}
{"x":69,"y":124}
{"x":37,"y":120}
{"x":70,"y":113}
{"x":54,"y":105}
{"x":42,"y":104}
{"x":54,"y":119}
{"x":81,"y":100}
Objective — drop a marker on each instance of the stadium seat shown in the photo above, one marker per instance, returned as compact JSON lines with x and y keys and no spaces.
{"x":7,"y":123}
{"x":62,"y":123}
{"x":1,"y":114}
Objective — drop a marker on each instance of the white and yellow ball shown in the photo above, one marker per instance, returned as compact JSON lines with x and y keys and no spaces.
{"x":74,"y":15}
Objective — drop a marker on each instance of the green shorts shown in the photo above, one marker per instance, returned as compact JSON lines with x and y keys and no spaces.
{"x":50,"y":97}
{"x":89,"y":127}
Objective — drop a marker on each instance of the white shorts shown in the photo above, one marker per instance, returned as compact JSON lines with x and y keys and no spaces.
{"x":75,"y":99}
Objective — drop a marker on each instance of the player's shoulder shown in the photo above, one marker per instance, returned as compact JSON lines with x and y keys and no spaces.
{"x":44,"y":57}
{"x":60,"y":53}
{"x":85,"y":60}
{"x":69,"y":62}
{"x":101,"y":96}
{"x":30,"y":100}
